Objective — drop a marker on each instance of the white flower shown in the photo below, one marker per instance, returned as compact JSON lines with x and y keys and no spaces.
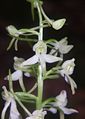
{"x":60,"y":103}
{"x":58,"y":24}
{"x":18,"y":74}
{"x":68,"y":67}
{"x":61,"y":46}
{"x":37,"y":114}
{"x":14,"y":114}
{"x":66,"y":71}
{"x":41,"y":56}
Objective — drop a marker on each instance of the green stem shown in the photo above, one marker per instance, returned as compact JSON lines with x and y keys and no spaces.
{"x":40,"y":88}
{"x":20,"y":103}
{"x":40,"y":22}
{"x":61,"y":115}
{"x":45,"y":16}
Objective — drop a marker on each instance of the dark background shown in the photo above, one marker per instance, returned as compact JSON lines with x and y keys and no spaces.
{"x":17,"y":13}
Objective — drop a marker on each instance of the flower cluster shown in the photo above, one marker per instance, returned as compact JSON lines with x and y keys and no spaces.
{"x":48,"y":51}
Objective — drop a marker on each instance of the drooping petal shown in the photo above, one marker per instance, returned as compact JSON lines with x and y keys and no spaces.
{"x":50,"y":58}
{"x":43,"y":63}
{"x":30,"y":61}
{"x":72,"y":83}
{"x":14,"y":114}
{"x":68,"y":110}
{"x":15,"y":76}
{"x":5,"y":109}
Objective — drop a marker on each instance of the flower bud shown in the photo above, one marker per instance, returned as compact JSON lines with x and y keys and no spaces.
{"x":58,"y":24}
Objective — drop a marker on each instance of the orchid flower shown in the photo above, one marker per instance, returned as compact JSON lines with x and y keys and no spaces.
{"x":37,"y":114}
{"x":41,"y":56}
{"x":60,"y":104}
{"x":62,"y":46}
{"x":66,"y":71}
{"x":57,"y":24}
{"x":18,"y":74}
{"x":14,"y":114}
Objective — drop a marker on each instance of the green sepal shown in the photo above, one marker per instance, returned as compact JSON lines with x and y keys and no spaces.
{"x":25,"y":96}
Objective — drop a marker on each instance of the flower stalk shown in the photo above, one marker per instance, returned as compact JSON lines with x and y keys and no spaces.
{"x":40,"y":88}
{"x":61,"y":115}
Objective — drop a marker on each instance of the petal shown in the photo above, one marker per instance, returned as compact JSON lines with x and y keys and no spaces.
{"x":15,"y":76}
{"x":68,"y":110}
{"x":43,"y":63}
{"x":14,"y":114}
{"x":50,"y":58}
{"x":5,"y":109}
{"x":53,"y":110}
{"x":65,"y":49}
{"x":61,"y":99}
{"x":72,"y":83}
{"x":30,"y":61}
{"x":27,"y":74}
{"x":63,"y":41}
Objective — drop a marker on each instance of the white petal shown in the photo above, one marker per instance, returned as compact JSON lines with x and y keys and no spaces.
{"x":14,"y":114}
{"x":53,"y":110}
{"x":30,"y":61}
{"x":5,"y":109}
{"x":61,"y":99}
{"x":37,"y":114}
{"x":68,"y":110}
{"x":50,"y":58}
{"x":43,"y":64}
{"x":72,"y":83}
{"x":15,"y":76}
{"x":63,"y":41}
{"x":65,"y":49}
{"x":27,"y":74}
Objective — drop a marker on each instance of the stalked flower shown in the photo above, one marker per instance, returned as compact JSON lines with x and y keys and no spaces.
{"x":61,"y":46}
{"x":37,"y":114}
{"x":14,"y":114}
{"x":60,"y":104}
{"x":41,"y":56}
{"x":66,"y":71}
{"x":18,"y":74}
